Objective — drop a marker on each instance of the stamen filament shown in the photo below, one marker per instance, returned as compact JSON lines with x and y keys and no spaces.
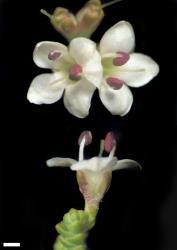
{"x":45,"y":13}
{"x":110,"y":3}
{"x":112,"y":152}
{"x":81,"y":149}
{"x":101,"y":148}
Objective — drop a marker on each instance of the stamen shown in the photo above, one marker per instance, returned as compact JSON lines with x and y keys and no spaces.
{"x":75,"y":72}
{"x":110,"y":142}
{"x":114,"y":82}
{"x":53,"y":55}
{"x":111,"y":154}
{"x":84,"y":139}
{"x":88,"y":137}
{"x":121,"y":59}
{"x":81,"y":149}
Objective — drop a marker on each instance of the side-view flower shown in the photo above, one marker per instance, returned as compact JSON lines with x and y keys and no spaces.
{"x":80,"y":69}
{"x":94,"y":175}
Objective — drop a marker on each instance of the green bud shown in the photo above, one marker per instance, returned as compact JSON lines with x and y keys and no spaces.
{"x":89,"y":17}
{"x":83,"y":24}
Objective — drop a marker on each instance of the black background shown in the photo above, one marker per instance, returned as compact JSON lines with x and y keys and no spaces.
{"x":139,"y":211}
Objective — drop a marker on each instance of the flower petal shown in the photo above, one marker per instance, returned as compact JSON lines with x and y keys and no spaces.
{"x":120,"y":37}
{"x":46,"y":88}
{"x":95,"y":164}
{"x":42,"y":50}
{"x":138,"y":71}
{"x":60,"y":162}
{"x":93,"y":70}
{"x":118,"y":102}
{"x":77,"y":98}
{"x":83,"y":165}
{"x":126,"y":163}
{"x":82,"y":49}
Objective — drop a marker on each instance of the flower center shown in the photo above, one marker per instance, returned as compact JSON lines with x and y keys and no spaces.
{"x":121,"y":58}
{"x":75,"y":72}
{"x":53,"y":55}
{"x":114,"y":82}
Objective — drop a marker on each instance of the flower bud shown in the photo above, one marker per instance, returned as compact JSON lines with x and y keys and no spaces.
{"x":64,"y":22}
{"x":83,"y":24}
{"x":89,"y":17}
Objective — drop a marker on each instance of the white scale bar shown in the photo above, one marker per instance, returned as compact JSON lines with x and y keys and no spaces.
{"x":11,"y":244}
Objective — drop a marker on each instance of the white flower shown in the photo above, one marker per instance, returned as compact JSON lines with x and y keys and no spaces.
{"x":122,"y":68}
{"x":94,"y":175}
{"x":76,"y":69}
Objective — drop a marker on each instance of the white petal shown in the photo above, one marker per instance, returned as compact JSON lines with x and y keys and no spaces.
{"x":95,"y":164}
{"x":60,"y":162}
{"x":77,"y":98}
{"x":126,"y":163}
{"x":93,"y":70}
{"x":118,"y":102}
{"x":81,"y":165}
{"x":82,"y":49}
{"x":139,"y":70}
{"x":111,"y":162}
{"x":46,"y":89}
{"x":120,"y":37}
{"x":42,"y":50}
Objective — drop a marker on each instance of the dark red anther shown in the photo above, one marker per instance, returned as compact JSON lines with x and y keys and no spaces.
{"x":121,"y":58}
{"x":114,"y":82}
{"x":109,"y":142}
{"x":53,"y":55}
{"x":75,"y":72}
{"x":88,"y":137}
